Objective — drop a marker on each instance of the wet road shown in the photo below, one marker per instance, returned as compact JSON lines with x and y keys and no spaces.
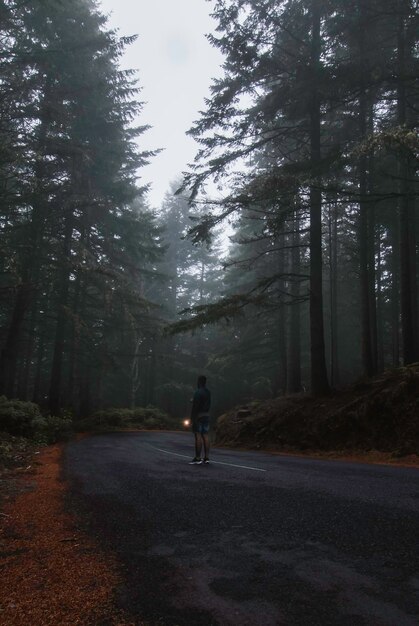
{"x":253,"y":539}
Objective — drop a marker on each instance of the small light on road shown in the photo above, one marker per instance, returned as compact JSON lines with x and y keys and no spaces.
{"x":186,"y":423}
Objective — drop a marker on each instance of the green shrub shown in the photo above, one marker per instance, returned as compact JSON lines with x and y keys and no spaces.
{"x":19,"y":418}
{"x":14,"y":451}
{"x":151,"y":423}
{"x":110,"y":417}
{"x":139,"y":417}
{"x":24,"y":419}
{"x":52,"y":428}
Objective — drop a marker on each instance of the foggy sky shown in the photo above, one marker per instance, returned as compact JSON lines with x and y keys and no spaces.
{"x":175,"y":64}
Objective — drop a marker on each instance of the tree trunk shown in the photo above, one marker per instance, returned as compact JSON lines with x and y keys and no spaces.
{"x":104,"y":348}
{"x":380,"y":326}
{"x":9,"y":355}
{"x":55,"y":391}
{"x":37,"y":396}
{"x":319,"y":381}
{"x":333,"y":271}
{"x":152,"y":376}
{"x":395,"y":291}
{"x":372,"y":295}
{"x":74,"y":344}
{"x":408,"y":287}
{"x":282,"y":325}
{"x":200,"y":353}
{"x":367,"y":350}
{"x":366,"y":223}
{"x":136,"y":369}
{"x":30,"y":348}
{"x":85,"y":394}
{"x":294,"y":350}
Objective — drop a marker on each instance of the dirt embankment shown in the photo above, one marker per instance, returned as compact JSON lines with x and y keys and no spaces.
{"x":381,"y":414}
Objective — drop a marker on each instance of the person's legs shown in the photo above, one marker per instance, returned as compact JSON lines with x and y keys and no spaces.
{"x":198,"y":445}
{"x":200,"y":431}
{"x":205,"y":439}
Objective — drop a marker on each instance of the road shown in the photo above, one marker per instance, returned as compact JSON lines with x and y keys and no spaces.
{"x":253,"y":539}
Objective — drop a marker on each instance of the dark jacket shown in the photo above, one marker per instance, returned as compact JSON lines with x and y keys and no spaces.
{"x":201,"y":402}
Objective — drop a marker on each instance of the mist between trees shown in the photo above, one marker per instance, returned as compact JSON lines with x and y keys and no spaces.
{"x":311,"y":136}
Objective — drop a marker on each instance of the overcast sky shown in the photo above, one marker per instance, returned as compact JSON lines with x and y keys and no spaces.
{"x":175,"y":64}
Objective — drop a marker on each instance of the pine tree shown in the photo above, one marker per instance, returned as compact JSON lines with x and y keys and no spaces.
{"x":74,"y":205}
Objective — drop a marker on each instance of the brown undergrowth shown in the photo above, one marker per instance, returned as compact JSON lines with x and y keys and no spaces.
{"x":376,"y":419}
{"x":51,"y":573}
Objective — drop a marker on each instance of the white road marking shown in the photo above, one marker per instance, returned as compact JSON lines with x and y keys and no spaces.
{"x":254,"y":469}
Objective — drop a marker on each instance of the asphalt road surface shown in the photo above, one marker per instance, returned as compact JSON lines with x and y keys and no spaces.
{"x":253,"y":539}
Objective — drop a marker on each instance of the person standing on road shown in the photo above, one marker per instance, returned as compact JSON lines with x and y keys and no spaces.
{"x":200,"y":419}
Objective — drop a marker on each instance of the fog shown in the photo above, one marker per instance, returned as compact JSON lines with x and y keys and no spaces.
{"x":175,"y":65}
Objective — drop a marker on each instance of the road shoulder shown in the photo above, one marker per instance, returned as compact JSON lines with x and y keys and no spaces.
{"x":52,"y":572}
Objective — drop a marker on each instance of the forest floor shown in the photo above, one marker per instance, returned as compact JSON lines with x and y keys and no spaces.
{"x":375,"y":420}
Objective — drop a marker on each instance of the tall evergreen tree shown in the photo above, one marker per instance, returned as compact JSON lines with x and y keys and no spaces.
{"x":75,"y":201}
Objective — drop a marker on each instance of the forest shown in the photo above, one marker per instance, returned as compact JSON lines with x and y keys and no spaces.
{"x":283,"y":261}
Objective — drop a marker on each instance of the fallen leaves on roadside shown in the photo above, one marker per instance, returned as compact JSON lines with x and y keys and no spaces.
{"x":51,"y":574}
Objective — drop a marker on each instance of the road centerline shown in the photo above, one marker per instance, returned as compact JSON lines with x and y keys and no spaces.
{"x":254,"y":469}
